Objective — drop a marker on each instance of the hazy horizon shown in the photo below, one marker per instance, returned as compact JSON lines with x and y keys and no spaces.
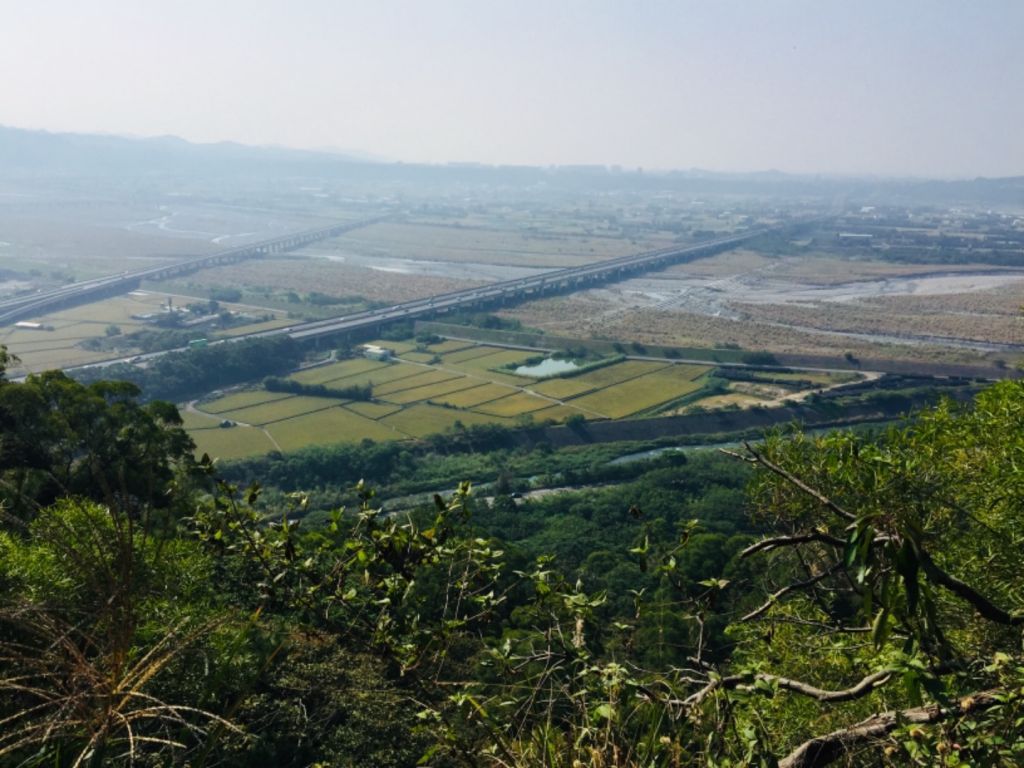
{"x":923,"y":89}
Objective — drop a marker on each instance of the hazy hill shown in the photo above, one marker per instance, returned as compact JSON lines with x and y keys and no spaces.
{"x":25,"y":153}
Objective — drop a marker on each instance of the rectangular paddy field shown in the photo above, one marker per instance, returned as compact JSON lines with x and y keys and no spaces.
{"x":414,"y":400}
{"x":619,"y":372}
{"x":372,"y":410}
{"x":481,"y":393}
{"x":514,"y":404}
{"x":418,"y":357}
{"x":431,"y":391}
{"x":233,"y":443}
{"x":450,"y":345}
{"x":641,"y":393}
{"x":193,"y":420}
{"x":277,"y":410}
{"x":468,"y":353}
{"x":334,"y":371}
{"x":244,"y":399}
{"x":331,"y":425}
{"x":562,"y":389}
{"x":390,"y":372}
{"x":422,"y":377}
{"x":421,"y":420}
{"x":486,"y":366}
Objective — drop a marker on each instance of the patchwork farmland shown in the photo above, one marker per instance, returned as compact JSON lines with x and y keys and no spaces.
{"x":433,"y":388}
{"x":428,"y":389}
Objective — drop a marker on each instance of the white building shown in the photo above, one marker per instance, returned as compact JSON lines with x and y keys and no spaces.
{"x":373,"y":352}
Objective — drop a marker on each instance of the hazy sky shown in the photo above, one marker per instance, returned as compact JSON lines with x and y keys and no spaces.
{"x":928,"y":87}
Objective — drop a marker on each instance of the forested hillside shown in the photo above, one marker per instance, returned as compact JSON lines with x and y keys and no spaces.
{"x":847,"y":599}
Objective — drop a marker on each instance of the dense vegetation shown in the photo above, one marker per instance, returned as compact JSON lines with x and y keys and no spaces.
{"x":194,"y":372}
{"x":812,"y":600}
{"x":353,"y":392}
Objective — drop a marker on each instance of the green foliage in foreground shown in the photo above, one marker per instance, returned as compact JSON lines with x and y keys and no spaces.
{"x":871,"y":614}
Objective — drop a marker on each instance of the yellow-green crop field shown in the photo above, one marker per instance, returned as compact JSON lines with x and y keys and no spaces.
{"x":482,"y":393}
{"x":331,"y":425}
{"x":233,"y":443}
{"x":637,"y":395}
{"x":467,"y":353}
{"x":421,"y":420}
{"x":615,"y":374}
{"x":277,"y":410}
{"x":431,"y":391}
{"x":193,"y":420}
{"x":514,"y":404}
{"x":334,"y":371}
{"x":422,"y":378}
{"x":418,"y":357}
{"x":237,"y":400}
{"x":372,"y":410}
{"x":415,"y":399}
{"x":561,"y":389}
{"x":450,"y":345}
{"x":381,"y":376}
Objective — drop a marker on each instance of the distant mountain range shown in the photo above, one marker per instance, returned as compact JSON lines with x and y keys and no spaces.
{"x":26,"y":153}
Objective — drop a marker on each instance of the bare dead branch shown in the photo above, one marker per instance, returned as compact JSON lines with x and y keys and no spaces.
{"x":765,"y":545}
{"x":824,"y":750}
{"x":858,"y":690}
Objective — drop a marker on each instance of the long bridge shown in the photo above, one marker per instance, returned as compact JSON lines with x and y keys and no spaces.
{"x":503,"y":292}
{"x":36,"y":304}
{"x":507,"y":291}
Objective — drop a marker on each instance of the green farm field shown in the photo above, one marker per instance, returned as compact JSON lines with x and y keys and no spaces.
{"x":481,"y":393}
{"x":421,"y":378}
{"x":637,"y":395}
{"x":421,"y":420}
{"x":561,"y":389}
{"x":431,"y":391}
{"x":334,"y":371}
{"x":514,"y":404}
{"x":233,"y":443}
{"x":244,"y":399}
{"x":278,"y":410}
{"x":414,"y":400}
{"x":331,"y":425}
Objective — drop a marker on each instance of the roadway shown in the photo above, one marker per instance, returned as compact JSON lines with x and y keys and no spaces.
{"x":518,"y":289}
{"x":35,"y":304}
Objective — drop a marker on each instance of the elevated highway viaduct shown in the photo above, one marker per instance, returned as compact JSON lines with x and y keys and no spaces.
{"x":509,"y":291}
{"x":371,"y":322}
{"x":86,"y":291}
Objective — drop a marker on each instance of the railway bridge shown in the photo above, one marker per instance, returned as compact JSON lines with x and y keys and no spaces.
{"x":35,"y":304}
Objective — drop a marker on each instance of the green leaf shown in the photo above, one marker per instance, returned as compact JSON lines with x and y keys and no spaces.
{"x":880,"y":628}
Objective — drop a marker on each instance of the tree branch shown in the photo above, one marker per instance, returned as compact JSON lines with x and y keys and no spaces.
{"x":788,"y":541}
{"x":823,"y":750}
{"x":856,"y":691}
{"x":792,"y":479}
{"x":862,"y":688}
{"x":774,"y":596}
{"x":982,"y":604}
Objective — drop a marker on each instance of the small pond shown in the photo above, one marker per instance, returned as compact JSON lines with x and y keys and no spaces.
{"x":549,"y":367}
